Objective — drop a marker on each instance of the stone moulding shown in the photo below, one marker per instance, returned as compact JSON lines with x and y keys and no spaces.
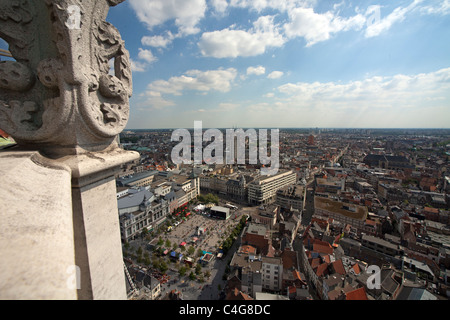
{"x":88,"y":167}
{"x":60,"y":91}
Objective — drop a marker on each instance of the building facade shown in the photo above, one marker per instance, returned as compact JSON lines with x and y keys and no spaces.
{"x":291,"y":197}
{"x":352,"y":214}
{"x":263,"y":190}
{"x":272,"y":273}
{"x":139,"y":210}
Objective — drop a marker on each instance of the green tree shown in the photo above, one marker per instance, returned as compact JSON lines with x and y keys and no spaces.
{"x":198,"y":269}
{"x":163,"y":267}
{"x":155,"y":263}
{"x":182,"y":271}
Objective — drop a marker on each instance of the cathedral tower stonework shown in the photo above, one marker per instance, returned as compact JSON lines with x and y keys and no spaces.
{"x":64,"y":100}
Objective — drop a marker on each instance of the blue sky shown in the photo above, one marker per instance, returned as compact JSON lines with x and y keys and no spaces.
{"x":287,"y":63}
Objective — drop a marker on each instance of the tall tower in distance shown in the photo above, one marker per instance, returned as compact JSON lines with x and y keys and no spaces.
{"x":311,"y":140}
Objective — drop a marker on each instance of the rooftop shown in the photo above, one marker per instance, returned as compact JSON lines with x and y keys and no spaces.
{"x":134,"y":198}
{"x":136,"y":177}
{"x":267,"y":179}
{"x":346,"y":209}
{"x":258,"y":229}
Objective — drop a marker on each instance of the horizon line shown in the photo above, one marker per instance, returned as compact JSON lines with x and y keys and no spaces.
{"x":305,"y":128}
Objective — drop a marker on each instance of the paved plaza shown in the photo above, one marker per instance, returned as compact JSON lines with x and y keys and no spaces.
{"x":215,"y":231}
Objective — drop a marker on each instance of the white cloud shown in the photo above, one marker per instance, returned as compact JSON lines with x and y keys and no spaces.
{"x":382,"y":25}
{"x":157,"y":41}
{"x":220,"y":6}
{"x":275,"y":75}
{"x":419,"y":100}
{"x":280,"y":5}
{"x":185,"y":13}
{"x":137,"y":66}
{"x":203,"y":81}
{"x":441,"y":8}
{"x":154,"y":99}
{"x":304,"y":21}
{"x":316,"y":27}
{"x":259,"y":70}
{"x":375,"y":92}
{"x":230,"y":43}
{"x":146,"y":55}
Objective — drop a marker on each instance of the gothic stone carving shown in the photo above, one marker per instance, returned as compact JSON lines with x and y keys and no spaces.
{"x":60,"y":90}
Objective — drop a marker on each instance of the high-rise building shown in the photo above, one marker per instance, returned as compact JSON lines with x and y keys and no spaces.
{"x":263,"y":190}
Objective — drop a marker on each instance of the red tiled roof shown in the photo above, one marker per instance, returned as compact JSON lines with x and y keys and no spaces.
{"x":431,"y":210}
{"x":236,"y":294}
{"x":326,"y":258}
{"x":315,"y":263}
{"x":356,"y":269}
{"x":322,"y":269}
{"x":248,"y":249}
{"x":358,"y":294}
{"x":322,"y":248}
{"x":289,"y":259}
{"x":338,"y":267}
{"x":320,"y":242}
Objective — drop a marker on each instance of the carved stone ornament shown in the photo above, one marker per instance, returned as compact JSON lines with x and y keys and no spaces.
{"x":71,"y":81}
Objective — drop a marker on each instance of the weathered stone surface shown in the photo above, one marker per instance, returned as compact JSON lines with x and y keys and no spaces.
{"x":36,"y":242}
{"x":59,"y":90}
{"x":61,"y":236}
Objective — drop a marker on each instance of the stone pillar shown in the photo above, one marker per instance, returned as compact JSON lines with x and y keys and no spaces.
{"x":64,"y":100}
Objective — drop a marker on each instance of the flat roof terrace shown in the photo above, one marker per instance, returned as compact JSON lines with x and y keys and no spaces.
{"x":345,"y":209}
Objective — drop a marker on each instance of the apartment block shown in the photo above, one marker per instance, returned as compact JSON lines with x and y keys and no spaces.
{"x":291,"y":197}
{"x":263,"y":190}
{"x":272,"y":273}
{"x":352,"y":214}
